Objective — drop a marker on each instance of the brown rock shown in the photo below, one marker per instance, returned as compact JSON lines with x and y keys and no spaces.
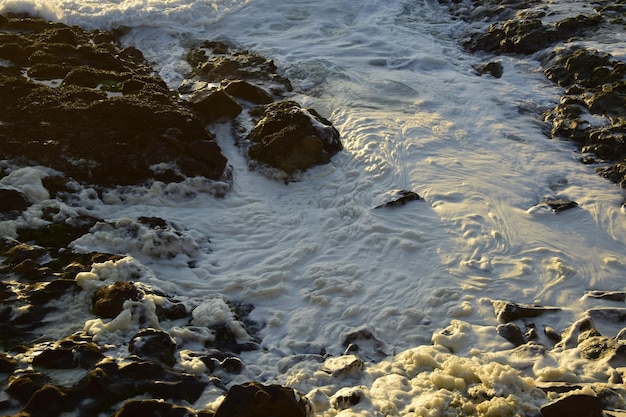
{"x":256,"y":400}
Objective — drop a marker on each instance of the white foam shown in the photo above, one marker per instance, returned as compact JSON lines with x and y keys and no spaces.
{"x":314,"y":257}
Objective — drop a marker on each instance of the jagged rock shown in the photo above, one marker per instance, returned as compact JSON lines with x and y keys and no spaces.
{"x":290,"y":138}
{"x":574,"y":405}
{"x":512,"y":333}
{"x":87,"y":126}
{"x":153,"y":344}
{"x":495,"y":69}
{"x":245,"y":91}
{"x":152,"y":408}
{"x":341,"y":366}
{"x":507,"y":311}
{"x":405,"y":197}
{"x":12,"y":201}
{"x":109,"y":300}
{"x":22,"y":252}
{"x":607,"y":295}
{"x":214,"y":104}
{"x":256,"y":400}
{"x":217,"y":62}
{"x":559,"y":204}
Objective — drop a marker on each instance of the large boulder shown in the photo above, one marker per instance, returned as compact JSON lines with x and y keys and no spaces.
{"x":257,"y":400}
{"x":291,"y":138}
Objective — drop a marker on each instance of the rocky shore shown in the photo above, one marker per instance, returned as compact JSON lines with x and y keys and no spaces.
{"x":592,"y":108}
{"x":92,"y":116}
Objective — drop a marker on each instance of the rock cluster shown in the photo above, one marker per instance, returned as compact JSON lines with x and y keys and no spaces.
{"x":93,"y":116}
{"x":592,"y":109}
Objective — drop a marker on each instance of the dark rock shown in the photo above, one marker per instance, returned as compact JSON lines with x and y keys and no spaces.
{"x":573,"y":405}
{"x":598,"y":347}
{"x":7,"y":364}
{"x":69,"y":354}
{"x":507,"y":311}
{"x":245,"y":91}
{"x":153,"y":408}
{"x":48,"y":401}
{"x":12,"y":201}
{"x":22,"y":386}
{"x":154,"y":344}
{"x":495,"y":69}
{"x":552,"y":334}
{"x":214,"y":105}
{"x":405,"y":197}
{"x":559,"y":204}
{"x":256,"y":400}
{"x":217,"y":62}
{"x":81,"y":131}
{"x":53,"y":290}
{"x":607,"y":314}
{"x":22,"y":252}
{"x":187,"y":387}
{"x":512,"y":333}
{"x":607,"y":295}
{"x":290,"y":138}
{"x":109,"y":300}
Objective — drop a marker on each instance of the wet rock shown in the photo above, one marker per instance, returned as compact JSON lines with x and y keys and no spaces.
{"x":347,"y":398}
{"x":217,"y":62}
{"x":22,"y":252}
{"x":12,"y":201}
{"x":552,"y":334}
{"x":53,"y":290}
{"x":214,"y":105}
{"x":109,"y":300}
{"x":256,"y":400}
{"x":7,"y":364}
{"x":405,"y":197}
{"x":23,"y":385}
{"x":243,"y":90}
{"x":607,"y":295}
{"x":342,"y":366}
{"x":495,"y":69}
{"x":152,"y":408}
{"x":512,"y":333}
{"x":93,"y":72}
{"x":573,"y":405}
{"x":290,"y":138}
{"x":507,"y":311}
{"x":600,"y":347}
{"x":607,"y":314}
{"x":69,"y":354}
{"x":154,"y":344}
{"x":48,"y":401}
{"x":559,"y":204}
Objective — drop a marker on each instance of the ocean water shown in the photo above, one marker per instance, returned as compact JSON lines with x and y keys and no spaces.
{"x":316,"y":259}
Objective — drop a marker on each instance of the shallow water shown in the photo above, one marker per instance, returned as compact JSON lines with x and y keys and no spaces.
{"x":314,"y":256}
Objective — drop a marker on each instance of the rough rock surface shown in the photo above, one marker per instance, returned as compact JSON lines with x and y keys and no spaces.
{"x":102,"y":116}
{"x":257,"y":400}
{"x":291,"y":138}
{"x":594,"y":81}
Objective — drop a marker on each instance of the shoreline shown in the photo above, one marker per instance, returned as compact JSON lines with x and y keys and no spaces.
{"x":27,"y":263}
